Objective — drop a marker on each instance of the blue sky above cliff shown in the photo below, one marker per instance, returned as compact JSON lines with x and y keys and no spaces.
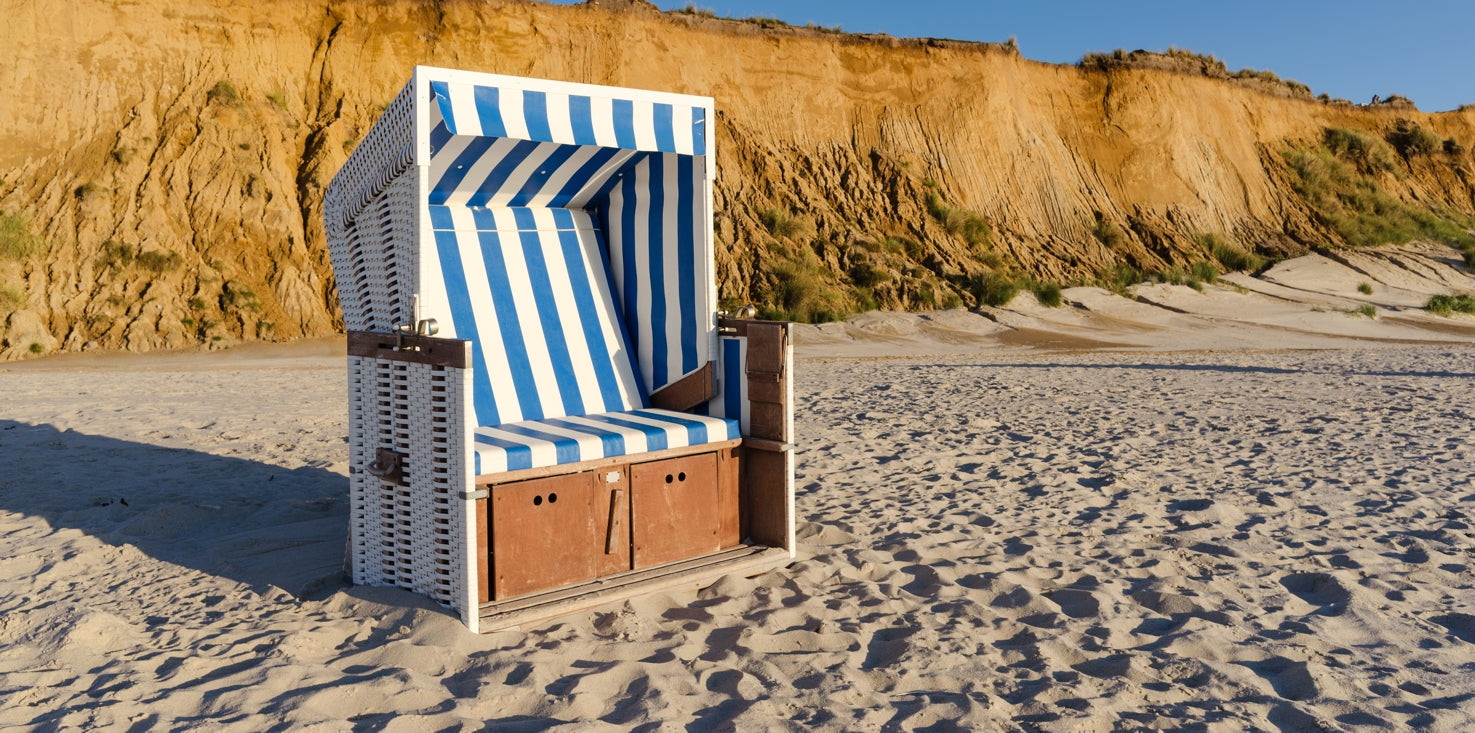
{"x":1351,"y":49}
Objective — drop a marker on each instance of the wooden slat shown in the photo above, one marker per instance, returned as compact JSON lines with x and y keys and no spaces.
{"x":686,"y":392}
{"x":729,"y":498}
{"x":768,"y":391}
{"x":615,"y":527}
{"x":772,"y":446}
{"x":768,"y":375}
{"x":614,"y":520}
{"x":690,"y":574}
{"x":765,"y":494}
{"x":766,"y":349}
{"x":492,"y":479}
{"x":428,"y":350}
{"x":629,"y":578}
{"x":768,"y":420}
{"x":483,"y":552}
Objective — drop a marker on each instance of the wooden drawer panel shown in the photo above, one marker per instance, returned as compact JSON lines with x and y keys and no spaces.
{"x":676,"y":512}
{"x":544,"y":533}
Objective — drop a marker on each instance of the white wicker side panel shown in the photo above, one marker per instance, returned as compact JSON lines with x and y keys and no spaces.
{"x":369,"y":205}
{"x":412,"y":536}
{"x":375,"y":267}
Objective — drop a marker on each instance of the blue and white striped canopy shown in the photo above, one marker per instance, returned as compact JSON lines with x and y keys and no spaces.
{"x":568,"y":114}
{"x":569,"y":235}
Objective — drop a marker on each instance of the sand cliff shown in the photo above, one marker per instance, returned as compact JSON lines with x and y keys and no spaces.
{"x":170,"y":158}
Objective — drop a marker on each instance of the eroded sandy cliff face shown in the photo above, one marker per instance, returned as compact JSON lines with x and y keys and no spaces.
{"x":170,"y":157}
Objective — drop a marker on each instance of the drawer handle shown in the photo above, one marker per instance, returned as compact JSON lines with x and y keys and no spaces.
{"x":615,"y":533}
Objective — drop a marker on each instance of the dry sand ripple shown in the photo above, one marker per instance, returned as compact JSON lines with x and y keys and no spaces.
{"x":1210,"y":541}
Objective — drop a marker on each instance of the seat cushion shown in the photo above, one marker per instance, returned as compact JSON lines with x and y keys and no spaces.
{"x":560,"y":440}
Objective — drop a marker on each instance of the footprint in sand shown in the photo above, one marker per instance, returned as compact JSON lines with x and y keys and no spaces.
{"x":1319,"y":589}
{"x":1075,"y":603}
{"x":1291,"y":680}
{"x":1460,"y":625}
{"x":1190,"y":505}
{"x":811,"y":533}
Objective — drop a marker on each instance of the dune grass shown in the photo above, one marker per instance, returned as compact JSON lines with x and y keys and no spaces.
{"x":1446,"y":305}
{"x":1338,"y":181}
{"x":1229,"y":256}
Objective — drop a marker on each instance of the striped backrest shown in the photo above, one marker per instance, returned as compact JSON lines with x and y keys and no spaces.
{"x":655,"y":216}
{"x":530,"y":287}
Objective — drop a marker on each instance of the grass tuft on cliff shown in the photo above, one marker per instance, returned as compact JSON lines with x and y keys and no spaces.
{"x":224,"y":93}
{"x":1232,"y":258}
{"x":783,"y":224}
{"x":10,"y":298}
{"x":1369,"y":153}
{"x":17,"y":241}
{"x":1184,"y":61}
{"x":959,"y":222}
{"x":802,"y":290}
{"x":1332,"y":181}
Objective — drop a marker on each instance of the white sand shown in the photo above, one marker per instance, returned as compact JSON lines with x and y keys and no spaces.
{"x":1014,"y":538}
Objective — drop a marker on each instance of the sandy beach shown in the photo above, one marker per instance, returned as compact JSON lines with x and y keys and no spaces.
{"x":1007,"y":533}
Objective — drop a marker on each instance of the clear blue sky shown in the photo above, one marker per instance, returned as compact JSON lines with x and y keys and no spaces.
{"x":1353,"y":49}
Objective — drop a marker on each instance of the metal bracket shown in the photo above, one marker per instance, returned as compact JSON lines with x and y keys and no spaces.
{"x":474,"y":495}
{"x":388,"y":465}
{"x":741,"y":313}
{"x":427,"y":327}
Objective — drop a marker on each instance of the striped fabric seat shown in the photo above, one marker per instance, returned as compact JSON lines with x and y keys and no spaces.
{"x":556,"y":441}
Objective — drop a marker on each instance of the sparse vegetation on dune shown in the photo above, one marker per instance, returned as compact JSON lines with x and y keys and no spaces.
{"x":1120,"y":277}
{"x":761,"y":21}
{"x":993,"y":288}
{"x":1445,"y":305}
{"x":1048,"y":293}
{"x":1338,"y":180}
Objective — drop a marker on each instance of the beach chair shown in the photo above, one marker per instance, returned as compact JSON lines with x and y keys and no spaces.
{"x":546,"y":410}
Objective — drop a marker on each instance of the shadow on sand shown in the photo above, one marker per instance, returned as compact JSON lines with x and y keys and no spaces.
{"x":244,"y":520}
{"x":1221,"y":368}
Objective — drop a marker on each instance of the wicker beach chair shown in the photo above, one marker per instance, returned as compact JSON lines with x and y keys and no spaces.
{"x":547,"y":412}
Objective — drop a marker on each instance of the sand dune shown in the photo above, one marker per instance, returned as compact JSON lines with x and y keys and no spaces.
{"x":1007,"y":537}
{"x":1309,"y":302}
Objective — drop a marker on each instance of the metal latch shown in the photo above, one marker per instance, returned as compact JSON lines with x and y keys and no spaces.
{"x":388,"y":465}
{"x":426,"y":327}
